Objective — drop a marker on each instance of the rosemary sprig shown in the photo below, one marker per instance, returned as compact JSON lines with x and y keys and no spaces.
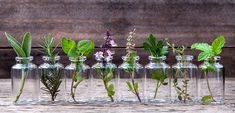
{"x":51,"y":76}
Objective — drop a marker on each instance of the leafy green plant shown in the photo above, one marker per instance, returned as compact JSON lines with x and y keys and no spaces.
{"x":83,"y":48}
{"x":156,"y":49}
{"x":22,"y":50}
{"x":131,"y":61}
{"x":182,"y":92}
{"x":51,"y":76}
{"x":208,"y":52}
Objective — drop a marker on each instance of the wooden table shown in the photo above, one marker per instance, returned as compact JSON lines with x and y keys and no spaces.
{"x":7,"y":107}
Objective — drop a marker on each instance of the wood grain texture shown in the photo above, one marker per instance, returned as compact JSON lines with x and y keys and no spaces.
{"x":180,"y":21}
{"x":7,"y":59}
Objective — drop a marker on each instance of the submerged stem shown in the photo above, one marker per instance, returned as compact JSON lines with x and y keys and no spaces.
{"x":208,"y":86}
{"x":135,"y":90}
{"x":156,"y":90}
{"x":24,"y":76}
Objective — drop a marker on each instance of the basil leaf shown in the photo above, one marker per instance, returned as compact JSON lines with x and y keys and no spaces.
{"x":85,"y":47}
{"x":67,"y":45}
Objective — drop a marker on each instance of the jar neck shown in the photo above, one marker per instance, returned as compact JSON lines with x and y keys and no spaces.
{"x":24,"y":60}
{"x":184,"y":59}
{"x":77,"y":60}
{"x":157,"y":59}
{"x":213,"y":60}
{"x":126,"y":58}
{"x":107,"y":59}
{"x":52,"y":60}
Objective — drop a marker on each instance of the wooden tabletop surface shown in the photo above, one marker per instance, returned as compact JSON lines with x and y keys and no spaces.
{"x":6,"y":105}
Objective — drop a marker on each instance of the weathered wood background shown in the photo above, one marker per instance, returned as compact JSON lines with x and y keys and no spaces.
{"x":181,"y":21}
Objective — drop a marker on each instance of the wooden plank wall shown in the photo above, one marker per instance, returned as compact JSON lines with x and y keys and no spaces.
{"x":181,"y":21}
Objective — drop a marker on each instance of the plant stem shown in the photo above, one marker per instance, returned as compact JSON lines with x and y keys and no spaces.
{"x":156,"y":90}
{"x":24,"y":76}
{"x":208,"y":86}
{"x":106,"y":88}
{"x":72,"y":88}
{"x":135,"y":90}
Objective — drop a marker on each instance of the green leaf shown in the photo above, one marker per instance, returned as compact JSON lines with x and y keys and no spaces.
{"x":27,"y":43}
{"x":109,"y":76}
{"x":203,"y":56}
{"x":15,"y":45}
{"x":164,"y":83}
{"x":73,"y":53}
{"x":218,"y":44}
{"x":207,"y":99}
{"x":85,"y":47}
{"x":156,"y":74}
{"x":129,"y":85}
{"x":111,"y":87}
{"x":202,"y":47}
{"x":67,"y":44}
{"x":136,"y":86}
{"x":179,"y":97}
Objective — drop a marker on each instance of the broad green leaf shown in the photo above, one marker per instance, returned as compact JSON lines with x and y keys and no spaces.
{"x":15,"y":45}
{"x":109,"y":76}
{"x":129,"y":85}
{"x":67,"y":45}
{"x":202,"y":47}
{"x":218,"y":44}
{"x":72,"y":53}
{"x":85,"y":47}
{"x":27,"y":43}
{"x":111,"y":87}
{"x":207,"y":99}
{"x":203,"y":56}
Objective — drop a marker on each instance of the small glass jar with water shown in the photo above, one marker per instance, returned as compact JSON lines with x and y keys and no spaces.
{"x":52,"y":81}
{"x":25,"y":81}
{"x":184,"y":81}
{"x":157,"y":73}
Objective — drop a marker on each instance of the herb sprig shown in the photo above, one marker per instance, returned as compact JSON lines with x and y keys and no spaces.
{"x":208,"y":52}
{"x":51,"y":77}
{"x":22,"y":50}
{"x":76,"y":51}
{"x":156,"y":49}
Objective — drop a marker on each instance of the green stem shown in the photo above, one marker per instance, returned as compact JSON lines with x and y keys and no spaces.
{"x":72,"y":88}
{"x":156,"y":90}
{"x":135,"y":90}
{"x":208,"y":86}
{"x":24,"y":76}
{"x":106,"y":88}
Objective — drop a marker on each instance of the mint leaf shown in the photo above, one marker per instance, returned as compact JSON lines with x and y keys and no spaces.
{"x":202,"y":47}
{"x":67,"y":44}
{"x":203,"y":56}
{"x":206,"y":99}
{"x":218,"y":44}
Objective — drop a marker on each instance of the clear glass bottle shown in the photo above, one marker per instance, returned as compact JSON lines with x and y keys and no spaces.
{"x":77,"y":80}
{"x":104,"y":76}
{"x":25,"y":81}
{"x":52,"y":79}
{"x":184,"y":81}
{"x":211,"y":82}
{"x":125,"y":77}
{"x":157,"y":74}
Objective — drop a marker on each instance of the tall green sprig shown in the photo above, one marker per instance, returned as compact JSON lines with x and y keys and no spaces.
{"x":76,"y":51}
{"x":156,"y":49}
{"x":131,"y":55}
{"x":51,"y":78}
{"x":208,"y":52}
{"x":22,"y":50}
{"x":182,"y":92}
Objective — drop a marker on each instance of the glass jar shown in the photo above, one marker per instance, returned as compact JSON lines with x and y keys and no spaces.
{"x":25,"y":81}
{"x":157,"y":80}
{"x":103,"y":81}
{"x":211,"y":82}
{"x":77,"y":80}
{"x":184,"y":81}
{"x":130,"y":76}
{"x":52,"y":80}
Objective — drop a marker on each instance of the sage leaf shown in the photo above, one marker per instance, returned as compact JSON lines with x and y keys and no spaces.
{"x":85,"y":47}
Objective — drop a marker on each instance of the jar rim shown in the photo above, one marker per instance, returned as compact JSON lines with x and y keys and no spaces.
{"x":50,"y":58}
{"x":157,"y":58}
{"x":126,"y":57}
{"x":24,"y":58}
{"x":184,"y":57}
{"x":80,"y":58}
